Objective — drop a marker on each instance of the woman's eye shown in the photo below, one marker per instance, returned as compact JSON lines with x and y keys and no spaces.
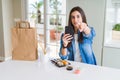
{"x":72,"y":17}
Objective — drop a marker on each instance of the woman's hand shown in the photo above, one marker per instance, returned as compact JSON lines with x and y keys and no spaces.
{"x":84,"y":28}
{"x":81,"y":26}
{"x":66,"y":39}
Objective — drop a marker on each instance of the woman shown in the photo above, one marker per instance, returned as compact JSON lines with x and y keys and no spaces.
{"x":81,"y":44}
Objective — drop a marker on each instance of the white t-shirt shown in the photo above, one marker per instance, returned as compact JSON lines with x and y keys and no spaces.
{"x":77,"y":56}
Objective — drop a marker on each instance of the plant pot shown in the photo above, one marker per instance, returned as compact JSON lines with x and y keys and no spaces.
{"x":55,"y":35}
{"x":115,"y":35}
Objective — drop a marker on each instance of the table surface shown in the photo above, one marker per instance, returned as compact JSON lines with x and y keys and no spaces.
{"x":36,"y":70}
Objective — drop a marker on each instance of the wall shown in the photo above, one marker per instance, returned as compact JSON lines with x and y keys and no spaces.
{"x":7,"y":18}
{"x":9,"y":10}
{"x":95,"y":16}
{"x":17,"y":9}
{"x":111,"y":57}
{"x":1,"y":33}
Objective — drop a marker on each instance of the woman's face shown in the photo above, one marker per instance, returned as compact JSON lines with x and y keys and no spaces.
{"x":76,"y":19}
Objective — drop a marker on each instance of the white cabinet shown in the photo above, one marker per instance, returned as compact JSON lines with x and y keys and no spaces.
{"x":111,"y":57}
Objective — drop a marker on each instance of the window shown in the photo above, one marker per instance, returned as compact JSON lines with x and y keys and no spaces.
{"x":49,"y":17}
{"x":112,"y":38}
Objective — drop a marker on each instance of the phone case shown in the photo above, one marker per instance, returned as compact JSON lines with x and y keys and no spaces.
{"x":69,"y":30}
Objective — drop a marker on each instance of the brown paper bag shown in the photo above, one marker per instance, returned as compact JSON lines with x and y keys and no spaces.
{"x":24,"y":42}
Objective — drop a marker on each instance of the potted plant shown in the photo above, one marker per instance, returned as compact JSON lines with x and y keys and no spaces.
{"x":116,"y":32}
{"x":55,"y":34}
{"x":37,"y":6}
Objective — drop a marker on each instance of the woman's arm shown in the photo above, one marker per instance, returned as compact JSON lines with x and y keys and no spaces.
{"x":89,"y":33}
{"x":63,"y":50}
{"x":87,"y":30}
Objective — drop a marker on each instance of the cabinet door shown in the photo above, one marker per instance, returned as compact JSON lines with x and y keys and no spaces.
{"x":111,"y":57}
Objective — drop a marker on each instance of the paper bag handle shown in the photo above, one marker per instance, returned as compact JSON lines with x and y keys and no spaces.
{"x":18,"y":24}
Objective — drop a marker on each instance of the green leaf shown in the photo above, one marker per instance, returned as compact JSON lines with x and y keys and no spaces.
{"x":116,"y":27}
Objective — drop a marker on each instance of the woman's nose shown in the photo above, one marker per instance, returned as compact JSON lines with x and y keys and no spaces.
{"x":75,"y":19}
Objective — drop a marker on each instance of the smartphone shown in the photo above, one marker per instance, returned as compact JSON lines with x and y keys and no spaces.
{"x":69,"y":30}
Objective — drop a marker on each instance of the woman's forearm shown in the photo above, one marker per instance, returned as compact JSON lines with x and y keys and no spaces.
{"x":64,"y":51}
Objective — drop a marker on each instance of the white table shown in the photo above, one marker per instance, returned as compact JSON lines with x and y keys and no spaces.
{"x":34,"y":70}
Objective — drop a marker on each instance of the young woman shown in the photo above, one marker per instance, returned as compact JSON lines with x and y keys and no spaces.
{"x":81,"y":43}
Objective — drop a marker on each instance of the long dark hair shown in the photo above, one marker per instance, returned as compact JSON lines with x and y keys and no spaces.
{"x":80,"y":10}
